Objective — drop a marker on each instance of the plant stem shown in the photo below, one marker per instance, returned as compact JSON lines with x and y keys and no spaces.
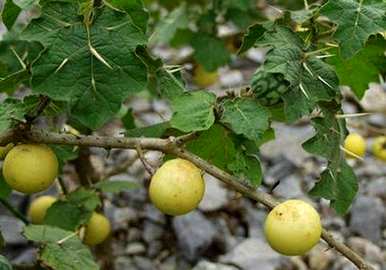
{"x":171,"y":146}
{"x":14,"y":211}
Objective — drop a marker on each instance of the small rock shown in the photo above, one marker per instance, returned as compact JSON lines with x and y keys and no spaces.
{"x":288,"y":143}
{"x":280,"y":169}
{"x":143,"y":263}
{"x":206,"y":265}
{"x":370,"y":251}
{"x":289,"y":188}
{"x":11,"y":229}
{"x":154,"y":248}
{"x":320,"y":257}
{"x":252,"y":254}
{"x":367,"y":216}
{"x":194,"y":234}
{"x":215,"y":196}
{"x":123,"y":263}
{"x":123,"y":217}
{"x":151,"y":231}
{"x":134,"y":234}
{"x":135,"y":248}
{"x":153,"y":214}
{"x":377,"y":188}
{"x":255,"y":219}
{"x":27,"y":257}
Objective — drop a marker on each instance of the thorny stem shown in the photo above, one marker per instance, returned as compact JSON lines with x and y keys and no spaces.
{"x":14,"y":211}
{"x":170,"y":146}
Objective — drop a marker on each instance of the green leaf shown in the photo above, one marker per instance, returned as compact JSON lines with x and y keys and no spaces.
{"x":338,"y":187}
{"x":168,"y":26}
{"x":356,"y":22}
{"x":247,"y":168}
{"x":362,"y":69}
{"x":311,"y":80}
{"x":161,"y":81}
{"x":328,"y":138}
{"x":214,"y":145}
{"x":77,"y":208}
{"x":13,"y":110}
{"x":5,"y":189}
{"x":128,"y":120}
{"x":209,"y":51}
{"x":254,"y":32}
{"x":193,"y":111}
{"x":4,"y":263}
{"x":65,"y":153}
{"x":94,"y":68}
{"x":136,"y":11}
{"x":60,"y":249}
{"x":75,"y":216}
{"x":338,"y":183}
{"x":153,"y":131}
{"x":10,"y":13}
{"x":86,"y":198}
{"x":115,"y":186}
{"x":246,"y":117}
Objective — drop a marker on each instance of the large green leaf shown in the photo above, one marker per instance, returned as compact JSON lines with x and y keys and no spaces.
{"x":5,"y":189}
{"x":13,"y":110}
{"x":193,"y":111}
{"x":5,"y":264}
{"x":167,"y":28}
{"x":338,"y":182}
{"x":209,"y":51}
{"x":215,"y":145}
{"x":10,"y":13}
{"x":162,"y":82}
{"x":246,"y":117}
{"x":92,"y":67}
{"x":340,"y":187}
{"x":311,"y":80}
{"x":362,"y":69}
{"x":61,"y":249}
{"x":356,"y":21}
{"x":136,"y":10}
{"x":77,"y":208}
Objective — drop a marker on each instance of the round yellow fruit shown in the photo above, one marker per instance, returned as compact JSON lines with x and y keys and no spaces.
{"x":203,"y":78}
{"x":4,"y":150}
{"x":97,"y":230}
{"x":30,"y":168}
{"x":38,"y":208}
{"x":177,"y":187}
{"x":379,"y":148}
{"x":292,"y":228}
{"x":355,"y":143}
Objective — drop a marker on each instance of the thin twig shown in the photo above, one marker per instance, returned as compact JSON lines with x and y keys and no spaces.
{"x":62,"y":185}
{"x":120,"y":168}
{"x":145,"y":163}
{"x":170,"y":146}
{"x":14,"y":211}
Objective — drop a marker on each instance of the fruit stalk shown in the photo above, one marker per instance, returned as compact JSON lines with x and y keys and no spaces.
{"x":172,"y":146}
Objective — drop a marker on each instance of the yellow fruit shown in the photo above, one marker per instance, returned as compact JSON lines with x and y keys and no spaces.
{"x":203,"y":78}
{"x":38,"y":208}
{"x":30,"y":168}
{"x":4,"y":150}
{"x":292,"y":228}
{"x":355,"y":143}
{"x":379,"y":148}
{"x":97,"y":230}
{"x":177,"y":187}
